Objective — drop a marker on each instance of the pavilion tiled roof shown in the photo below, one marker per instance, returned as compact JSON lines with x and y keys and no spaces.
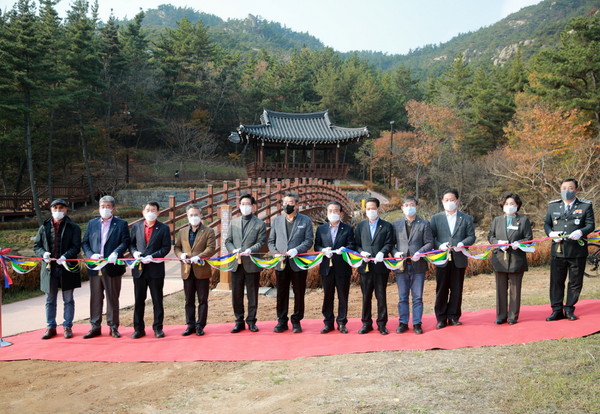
{"x":297,"y":128}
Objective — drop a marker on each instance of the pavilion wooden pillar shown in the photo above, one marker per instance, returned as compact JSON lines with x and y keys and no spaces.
{"x":225,"y":214}
{"x":285,"y":162}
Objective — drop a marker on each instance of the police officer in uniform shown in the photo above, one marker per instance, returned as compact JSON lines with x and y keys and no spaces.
{"x":573,"y":218}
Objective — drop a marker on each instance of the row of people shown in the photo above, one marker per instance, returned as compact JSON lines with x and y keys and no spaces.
{"x":292,"y":234}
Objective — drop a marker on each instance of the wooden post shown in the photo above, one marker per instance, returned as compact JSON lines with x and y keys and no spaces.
{"x":224,"y":211}
{"x":172,"y":204}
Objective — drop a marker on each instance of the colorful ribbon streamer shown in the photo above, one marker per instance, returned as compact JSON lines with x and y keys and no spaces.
{"x":308,"y":260}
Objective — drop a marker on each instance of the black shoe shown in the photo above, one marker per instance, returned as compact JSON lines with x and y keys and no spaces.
{"x":500,"y":321}
{"x":138,"y":334}
{"x":239,"y":327}
{"x":512,"y":321}
{"x":556,"y":316}
{"x":280,"y":327}
{"x":402,"y":328}
{"x":50,"y":333}
{"x":68,"y":334}
{"x":440,"y":325}
{"x":418,"y":328}
{"x":571,"y":316}
{"x":189,"y":330}
{"x":454,"y":322}
{"x":327,"y":329}
{"x":199,"y":331}
{"x":94,"y":332}
{"x":296,"y":328}
{"x":253,"y":327}
{"x":114,"y":332}
{"x":383,"y":330}
{"x":159,"y":333}
{"x":365,"y":329}
{"x":342,"y":328}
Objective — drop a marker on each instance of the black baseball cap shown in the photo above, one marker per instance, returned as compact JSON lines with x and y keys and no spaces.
{"x":59,"y":201}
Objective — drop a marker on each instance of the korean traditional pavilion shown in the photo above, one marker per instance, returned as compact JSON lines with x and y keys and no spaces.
{"x":290,"y":145}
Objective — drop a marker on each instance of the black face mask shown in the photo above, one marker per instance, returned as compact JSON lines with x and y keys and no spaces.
{"x":288,"y":209}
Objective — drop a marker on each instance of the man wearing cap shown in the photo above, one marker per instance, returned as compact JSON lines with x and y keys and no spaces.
{"x":58,"y":238}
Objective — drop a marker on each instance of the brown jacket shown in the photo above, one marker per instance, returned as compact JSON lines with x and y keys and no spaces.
{"x":204,"y":247}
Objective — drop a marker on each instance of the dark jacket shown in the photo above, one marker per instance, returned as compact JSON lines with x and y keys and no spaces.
{"x":117,"y":241}
{"x":463,"y":232}
{"x":158,"y":246}
{"x":581,"y":217}
{"x":420,"y":240}
{"x":511,"y":261}
{"x":383,"y":241}
{"x":344,"y":238}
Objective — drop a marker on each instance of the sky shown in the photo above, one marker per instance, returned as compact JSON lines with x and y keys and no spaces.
{"x":389,"y":26}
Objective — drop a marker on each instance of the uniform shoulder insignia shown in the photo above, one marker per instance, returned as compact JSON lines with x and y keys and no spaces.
{"x":554,"y":201}
{"x":583,"y":200}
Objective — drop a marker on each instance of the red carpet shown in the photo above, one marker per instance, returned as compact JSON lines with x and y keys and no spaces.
{"x":218,"y":344}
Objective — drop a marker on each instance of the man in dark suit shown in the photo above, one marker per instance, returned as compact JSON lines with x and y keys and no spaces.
{"x":413,"y":237}
{"x":374,"y":239}
{"x":574,"y":217}
{"x":105,"y":237}
{"x":452,"y":229}
{"x":291,"y":233}
{"x":246,"y":234}
{"x":335,"y":272}
{"x":150,"y":239}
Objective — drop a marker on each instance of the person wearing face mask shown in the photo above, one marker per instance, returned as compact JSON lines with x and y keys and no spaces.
{"x":451,"y":229}
{"x":574,"y":218}
{"x":291,"y":233}
{"x":150,"y":239}
{"x":413,"y":237}
{"x":108,"y":238}
{"x":247,"y":234}
{"x":335,"y":272}
{"x":375,"y":239}
{"x":509,"y":262}
{"x":193,"y":243}
{"x":58,"y":238}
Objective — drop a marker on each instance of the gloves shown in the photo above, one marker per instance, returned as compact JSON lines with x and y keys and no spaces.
{"x":137,"y":255}
{"x":327,"y":252}
{"x":443,"y":246}
{"x":95,"y":256}
{"x":459,"y":247}
{"x":236,"y":250}
{"x":378,"y":257}
{"x":46,"y":257}
{"x":556,"y":234}
{"x":292,"y":252}
{"x":399,"y":255}
{"x":183,"y":256}
{"x":339,"y":251}
{"x":195,"y":259}
{"x":147,"y":259}
{"x":246,"y":252}
{"x":112,"y":259}
{"x":515,"y":245}
{"x":416,"y":257}
{"x":503,"y":248}
{"x":576,"y":235}
{"x":365,"y":256}
{"x":61,"y":260}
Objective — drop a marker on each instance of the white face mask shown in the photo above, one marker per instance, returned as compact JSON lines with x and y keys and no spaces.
{"x":450,"y":205}
{"x":409,"y":211}
{"x":372,"y":214}
{"x":245,"y":209}
{"x":510,"y":209}
{"x":194,"y":220}
{"x":58,"y":215}
{"x":333,"y":217}
{"x":105,"y":213}
{"x":150,"y":216}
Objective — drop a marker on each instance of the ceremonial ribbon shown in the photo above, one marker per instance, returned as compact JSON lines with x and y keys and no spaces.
{"x":267,"y":263}
{"x":307,"y":261}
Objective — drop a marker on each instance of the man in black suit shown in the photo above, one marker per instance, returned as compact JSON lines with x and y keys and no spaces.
{"x":451,"y":229}
{"x":105,"y":237}
{"x":374,"y":238}
{"x":335,"y":272}
{"x":150,"y":239}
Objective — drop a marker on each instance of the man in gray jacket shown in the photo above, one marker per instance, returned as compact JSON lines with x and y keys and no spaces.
{"x":291,"y":233}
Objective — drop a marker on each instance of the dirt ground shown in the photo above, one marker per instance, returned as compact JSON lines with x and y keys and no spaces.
{"x":502,"y":379}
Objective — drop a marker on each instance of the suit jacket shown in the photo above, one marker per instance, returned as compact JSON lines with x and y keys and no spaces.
{"x":511,"y":261}
{"x":300,"y":239}
{"x":204,"y":247}
{"x":117,"y":241}
{"x":580,"y":217}
{"x":254,"y":238}
{"x":420,"y":240}
{"x":158,"y":246}
{"x":463,"y":232}
{"x":383,"y":241}
{"x":344,"y":238}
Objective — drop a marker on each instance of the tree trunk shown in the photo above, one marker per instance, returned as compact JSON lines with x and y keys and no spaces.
{"x":417,"y":177}
{"x":86,"y":164}
{"x":50,"y":145}
{"x":34,"y":194}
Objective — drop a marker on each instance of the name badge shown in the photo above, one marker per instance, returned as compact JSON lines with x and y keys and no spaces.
{"x":579,"y":211}
{"x":301,"y":227}
{"x":577,"y":221}
{"x":516,"y":227}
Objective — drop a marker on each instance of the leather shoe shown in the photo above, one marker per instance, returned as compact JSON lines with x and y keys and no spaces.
{"x":50,"y":333}
{"x":342,"y":328}
{"x":239,"y":327}
{"x":296,"y":328}
{"x":189,"y":330}
{"x":253,"y":327}
{"x":68,"y":334}
{"x":92,"y":333}
{"x":440,"y":325}
{"x":138,"y":334}
{"x":280,"y":327}
{"x":365,"y":329}
{"x":418,"y":329}
{"x":571,"y":316}
{"x":199,"y":331}
{"x":114,"y":332}
{"x":327,"y":329}
{"x":500,"y":321}
{"x":383,"y":330}
{"x":512,"y":321}
{"x":159,"y":333}
{"x":454,"y":322}
{"x":556,"y":316}
{"x":402,"y":328}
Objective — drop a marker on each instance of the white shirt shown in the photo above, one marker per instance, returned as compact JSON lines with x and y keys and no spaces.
{"x":451,"y":220}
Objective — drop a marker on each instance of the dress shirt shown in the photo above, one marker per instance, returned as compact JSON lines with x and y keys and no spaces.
{"x":148,"y":231}
{"x":451,"y":220}
{"x":104,"y":228}
{"x":333,"y":230}
{"x":373,"y":227}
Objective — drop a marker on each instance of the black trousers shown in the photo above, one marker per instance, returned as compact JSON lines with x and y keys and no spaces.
{"x":240,"y":279}
{"x":559,"y":268}
{"x":331,"y":282}
{"x":298,"y":281}
{"x":508,"y":295}
{"x":140,"y":290}
{"x":101,"y":285}
{"x":196,"y":288}
{"x":448,"y":291}
{"x":374,"y":282}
